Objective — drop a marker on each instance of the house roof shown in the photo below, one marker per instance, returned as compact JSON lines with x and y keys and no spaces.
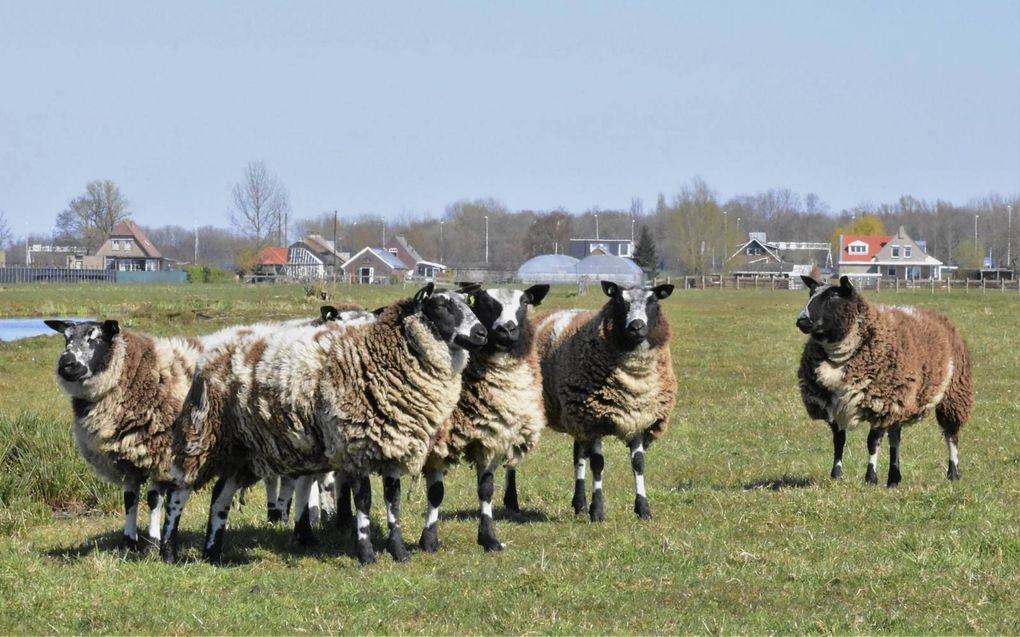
{"x":873,"y":241}
{"x":128,"y":228}
{"x":402,"y":240}
{"x":382,"y":254}
{"x":272,"y":255}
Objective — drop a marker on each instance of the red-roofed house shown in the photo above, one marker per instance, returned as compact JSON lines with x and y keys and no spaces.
{"x":271,"y":261}
{"x":126,"y":249}
{"x":886,"y":256}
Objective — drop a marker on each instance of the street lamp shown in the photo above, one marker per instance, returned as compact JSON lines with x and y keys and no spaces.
{"x":975,"y":235}
{"x":725,"y":243}
{"x":1009,"y":235}
{"x":596,"y":227}
{"x":442,"y":243}
{"x":486,"y":239}
{"x":632,"y":220}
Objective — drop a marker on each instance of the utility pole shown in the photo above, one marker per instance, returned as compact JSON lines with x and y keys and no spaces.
{"x":1009,"y":235}
{"x":442,"y":243}
{"x":596,"y":227}
{"x":486,"y":240}
{"x":334,"y":248}
{"x":975,"y":234}
{"x":196,"y":243}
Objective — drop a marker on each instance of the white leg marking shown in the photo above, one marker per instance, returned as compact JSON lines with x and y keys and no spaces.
{"x":954,"y":451}
{"x":220,"y":504}
{"x":432,"y":476}
{"x":303,"y":496}
{"x":579,"y":469}
{"x":636,"y":447}
{"x":155,"y":513}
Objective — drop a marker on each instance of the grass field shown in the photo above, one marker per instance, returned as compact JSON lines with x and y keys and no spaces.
{"x":749,"y":534}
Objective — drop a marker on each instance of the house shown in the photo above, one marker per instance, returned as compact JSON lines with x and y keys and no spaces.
{"x":581,"y":248}
{"x":783,"y":259}
{"x":127,"y":249}
{"x":421,"y":268}
{"x":374,"y":265}
{"x":894,"y":256}
{"x":271,"y":261}
{"x":313,"y":257}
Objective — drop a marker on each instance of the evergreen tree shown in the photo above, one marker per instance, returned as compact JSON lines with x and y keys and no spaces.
{"x":644,"y":253}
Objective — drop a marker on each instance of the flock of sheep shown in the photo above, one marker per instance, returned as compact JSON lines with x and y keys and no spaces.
{"x":449,"y":376}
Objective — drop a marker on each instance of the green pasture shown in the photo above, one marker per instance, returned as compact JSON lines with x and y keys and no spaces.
{"x":749,"y":535}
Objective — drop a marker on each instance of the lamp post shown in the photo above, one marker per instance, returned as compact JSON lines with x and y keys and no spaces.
{"x":442,"y":243}
{"x":725,"y":243}
{"x":975,"y":234}
{"x":486,"y":239}
{"x":632,"y":220}
{"x":1009,"y":235}
{"x":596,"y":227}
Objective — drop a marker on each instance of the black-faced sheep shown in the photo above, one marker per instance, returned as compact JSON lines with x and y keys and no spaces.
{"x":126,"y":389}
{"x":309,"y":399}
{"x":881,"y":365}
{"x":608,"y":373}
{"x":498,"y":417}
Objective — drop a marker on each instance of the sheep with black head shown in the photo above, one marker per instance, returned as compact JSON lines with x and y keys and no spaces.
{"x":609,"y":373}
{"x":886,"y":366}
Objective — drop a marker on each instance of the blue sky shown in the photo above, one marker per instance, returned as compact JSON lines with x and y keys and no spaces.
{"x":400,"y":109}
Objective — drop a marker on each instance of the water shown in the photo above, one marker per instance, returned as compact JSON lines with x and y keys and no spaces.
{"x":13,"y":329}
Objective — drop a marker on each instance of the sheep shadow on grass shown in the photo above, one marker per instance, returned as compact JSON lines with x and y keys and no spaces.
{"x":524,"y":516}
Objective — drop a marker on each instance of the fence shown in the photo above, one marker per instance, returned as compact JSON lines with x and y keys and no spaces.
{"x":68,"y":275}
{"x":966,"y":286}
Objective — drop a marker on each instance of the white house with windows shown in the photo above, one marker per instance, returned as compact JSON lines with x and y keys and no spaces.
{"x":886,"y":256}
{"x":374,"y":265}
{"x":313,"y":257}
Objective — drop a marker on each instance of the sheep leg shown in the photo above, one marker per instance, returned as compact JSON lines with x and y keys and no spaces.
{"x":344,"y":494}
{"x":510,"y":502}
{"x":597,"y":510}
{"x":222,"y":496}
{"x":486,"y":533}
{"x":952,"y":444}
{"x":176,"y":498}
{"x":874,"y":440}
{"x":303,"y":510}
{"x":326,"y":483}
{"x":285,"y":497}
{"x":580,"y":501}
{"x":838,"y":442}
{"x":429,"y":540}
{"x":637,"y":463}
{"x":363,"y":504}
{"x":129,"y":538}
{"x":894,"y":458}
{"x":154,"y":498}
{"x":391,"y":496}
{"x":273,"y":514}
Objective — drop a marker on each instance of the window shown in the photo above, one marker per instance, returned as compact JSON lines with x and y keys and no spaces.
{"x":896,"y":252}
{"x":116,"y":245}
{"x":624,"y":249}
{"x":754,"y":250}
{"x":907,"y":251}
{"x":858,"y":248}
{"x":892,"y":271}
{"x":393,"y":250}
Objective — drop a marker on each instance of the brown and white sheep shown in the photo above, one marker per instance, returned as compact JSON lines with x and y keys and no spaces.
{"x":307,"y":399}
{"x":886,"y":366}
{"x":609,"y":373}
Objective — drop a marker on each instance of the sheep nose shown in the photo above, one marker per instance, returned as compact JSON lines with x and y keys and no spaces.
{"x":508,"y":330}
{"x":637,"y":328}
{"x":478,"y":333}
{"x":67,"y":361}
{"x":804,"y":324}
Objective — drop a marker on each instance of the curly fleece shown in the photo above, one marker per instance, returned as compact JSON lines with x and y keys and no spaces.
{"x":593,"y":388}
{"x":892,"y":368}
{"x":300,"y":400}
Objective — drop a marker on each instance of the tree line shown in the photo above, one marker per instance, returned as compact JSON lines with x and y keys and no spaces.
{"x":692,"y":231}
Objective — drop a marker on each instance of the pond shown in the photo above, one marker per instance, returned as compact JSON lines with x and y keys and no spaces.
{"x":13,"y":329}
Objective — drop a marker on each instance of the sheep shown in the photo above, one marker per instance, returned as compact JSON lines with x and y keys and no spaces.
{"x":498,"y":417}
{"x":884,"y":365}
{"x":608,"y":372}
{"x":126,"y":389}
{"x":362,"y":399}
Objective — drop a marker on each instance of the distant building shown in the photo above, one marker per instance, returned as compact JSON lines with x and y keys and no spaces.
{"x":374,"y":265}
{"x":419,"y":267}
{"x":782,"y":259}
{"x":549,"y":268}
{"x":313,"y":257}
{"x":127,"y":249}
{"x":581,"y":248}
{"x":271,"y":261}
{"x":886,"y":256}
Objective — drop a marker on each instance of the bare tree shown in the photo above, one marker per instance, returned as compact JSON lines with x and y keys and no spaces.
{"x":89,"y":218}
{"x":260,"y":202}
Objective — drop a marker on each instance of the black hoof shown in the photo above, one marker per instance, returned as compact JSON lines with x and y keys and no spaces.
{"x":641,"y":508}
{"x":579,"y":502}
{"x":148,"y":545}
{"x":395,"y":547}
{"x":213,"y":556}
{"x":274,"y":515}
{"x":511,"y":504}
{"x":490,"y":543}
{"x":954,"y":473}
{"x":872,"y":476}
{"x":429,"y":541}
{"x":837,"y":472}
{"x":365,"y":552}
{"x":127,"y":544}
{"x":597,"y":510}
{"x":168,"y":552}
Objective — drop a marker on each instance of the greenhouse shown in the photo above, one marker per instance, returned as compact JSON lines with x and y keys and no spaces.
{"x":606,"y":267}
{"x":548,"y":268}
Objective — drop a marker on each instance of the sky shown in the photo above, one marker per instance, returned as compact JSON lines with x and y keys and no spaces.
{"x":400,"y":109}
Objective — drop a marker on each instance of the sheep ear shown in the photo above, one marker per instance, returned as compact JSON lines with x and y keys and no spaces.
{"x":611,"y":289}
{"x":328,"y":313}
{"x":379,"y":310}
{"x":536,"y":293}
{"x":423,"y":294}
{"x":845,"y":287}
{"x":663,"y":291}
{"x":111,"y":328}
{"x":810,"y":283}
{"x":58,"y":326}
